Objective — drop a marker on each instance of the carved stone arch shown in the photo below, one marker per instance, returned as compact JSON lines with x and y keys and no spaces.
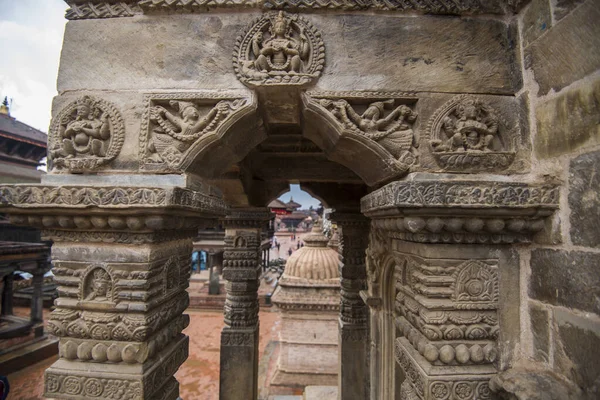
{"x":347,"y":145}
{"x":232,"y":129}
{"x":98,"y":285}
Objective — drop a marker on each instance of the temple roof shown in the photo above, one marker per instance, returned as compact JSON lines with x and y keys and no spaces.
{"x":277,"y":204}
{"x":13,"y":129}
{"x":293,"y":204}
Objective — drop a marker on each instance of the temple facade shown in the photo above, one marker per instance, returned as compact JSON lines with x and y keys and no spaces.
{"x":457,"y":142}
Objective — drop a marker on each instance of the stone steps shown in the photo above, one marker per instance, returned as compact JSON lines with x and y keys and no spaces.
{"x":320,"y":393}
{"x":27,"y":354}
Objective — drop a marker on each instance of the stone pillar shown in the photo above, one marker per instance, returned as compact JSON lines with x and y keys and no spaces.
{"x":442,"y":265}
{"x":353,"y":326}
{"x":121,"y":260}
{"x":37,"y":301}
{"x":7,"y":295}
{"x":239,"y":338}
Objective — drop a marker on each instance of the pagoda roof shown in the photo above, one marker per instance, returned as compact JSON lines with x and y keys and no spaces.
{"x":277,"y":204}
{"x":13,"y":129}
{"x":293,"y":204}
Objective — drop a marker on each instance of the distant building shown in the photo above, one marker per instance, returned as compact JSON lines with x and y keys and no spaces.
{"x":21,"y":149}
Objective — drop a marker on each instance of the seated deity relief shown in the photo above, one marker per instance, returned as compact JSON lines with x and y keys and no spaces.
{"x":279,"y":49}
{"x":385,"y":121}
{"x":174,"y":125}
{"x":86,"y":134}
{"x":98,"y":286}
{"x":468,"y":134}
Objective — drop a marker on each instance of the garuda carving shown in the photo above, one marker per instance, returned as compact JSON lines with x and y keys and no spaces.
{"x":174,"y":125}
{"x":86,"y":134}
{"x":384,"y":122}
{"x":467,"y":134}
{"x":279,"y":49}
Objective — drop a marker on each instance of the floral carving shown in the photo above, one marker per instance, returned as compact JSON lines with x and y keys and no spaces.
{"x":475,"y":282}
{"x":279,"y":49}
{"x":385,"y":122}
{"x":467,"y":134}
{"x":439,"y":390}
{"x":85,"y":135}
{"x":174,"y":125}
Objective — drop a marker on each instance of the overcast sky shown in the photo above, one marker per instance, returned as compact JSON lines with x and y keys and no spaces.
{"x":31,"y":34}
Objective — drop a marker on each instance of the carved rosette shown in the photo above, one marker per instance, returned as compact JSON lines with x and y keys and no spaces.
{"x":468,"y":135}
{"x":175,"y":124}
{"x":87,"y":134}
{"x":279,"y":49}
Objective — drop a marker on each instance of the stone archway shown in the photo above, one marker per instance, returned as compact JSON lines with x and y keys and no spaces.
{"x":152,"y":140}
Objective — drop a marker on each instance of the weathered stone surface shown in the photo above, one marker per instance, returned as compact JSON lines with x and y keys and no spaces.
{"x":536,"y":20}
{"x":140,"y":53}
{"x":584,"y":199}
{"x":541,"y":332}
{"x":569,"y":279}
{"x":568,"y":122}
{"x":577,"y":350}
{"x":563,"y":7}
{"x":567,"y":52}
{"x":151,"y":52}
{"x":533,"y":384}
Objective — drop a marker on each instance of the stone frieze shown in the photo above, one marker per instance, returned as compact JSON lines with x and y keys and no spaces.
{"x":482,"y":194}
{"x":88,"y":9}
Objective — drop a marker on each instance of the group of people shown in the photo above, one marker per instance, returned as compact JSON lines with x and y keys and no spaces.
{"x":299,"y":244}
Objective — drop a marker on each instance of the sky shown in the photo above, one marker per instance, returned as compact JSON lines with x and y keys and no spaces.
{"x":300,"y":196}
{"x":31,"y":33}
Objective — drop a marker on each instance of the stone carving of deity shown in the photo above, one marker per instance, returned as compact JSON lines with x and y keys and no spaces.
{"x":177,"y":124}
{"x":467,"y":134}
{"x":281,"y":52}
{"x":99,"y":286}
{"x":392,"y":131}
{"x":473,"y":128}
{"x":88,"y":133}
{"x":279,"y":49}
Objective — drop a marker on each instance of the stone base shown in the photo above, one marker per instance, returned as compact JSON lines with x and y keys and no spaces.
{"x":152,"y":380}
{"x":302,"y":379}
{"x":452,"y":382}
{"x":321,"y":393}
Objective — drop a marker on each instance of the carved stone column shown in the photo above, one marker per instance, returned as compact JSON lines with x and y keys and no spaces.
{"x":121,"y":260}
{"x":242,"y":270}
{"x":441,"y":260}
{"x":354,"y":335}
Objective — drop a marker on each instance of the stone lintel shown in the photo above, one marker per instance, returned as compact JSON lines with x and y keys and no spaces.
{"x":92,"y":9}
{"x":255,"y":217}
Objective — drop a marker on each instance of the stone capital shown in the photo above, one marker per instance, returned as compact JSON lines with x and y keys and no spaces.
{"x":457,"y":210}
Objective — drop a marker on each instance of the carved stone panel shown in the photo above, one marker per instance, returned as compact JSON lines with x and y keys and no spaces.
{"x":174,"y":123}
{"x":387,"y":122}
{"x":86,"y":134}
{"x":468,"y":135}
{"x":279,"y":49}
